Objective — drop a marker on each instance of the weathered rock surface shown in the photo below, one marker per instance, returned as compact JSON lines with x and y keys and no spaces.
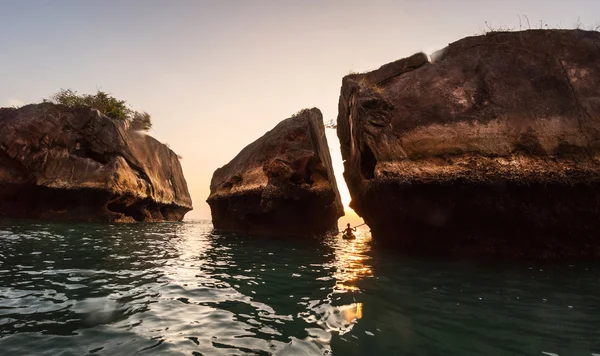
{"x":493,"y":147}
{"x":58,"y":163}
{"x":281,"y":184}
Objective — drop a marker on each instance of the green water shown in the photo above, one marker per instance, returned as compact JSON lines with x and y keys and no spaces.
{"x":180,"y":288}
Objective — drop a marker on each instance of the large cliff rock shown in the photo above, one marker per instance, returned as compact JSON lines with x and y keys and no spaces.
{"x":493,"y":147}
{"x":58,"y":163}
{"x":281,"y":184}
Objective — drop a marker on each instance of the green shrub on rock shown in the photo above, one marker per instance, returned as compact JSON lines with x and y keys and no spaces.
{"x":105,"y":103}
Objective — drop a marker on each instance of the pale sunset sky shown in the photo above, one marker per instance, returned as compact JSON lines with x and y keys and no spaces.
{"x":216,"y":75}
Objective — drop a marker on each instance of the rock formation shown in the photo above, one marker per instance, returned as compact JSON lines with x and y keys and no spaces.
{"x":58,"y":163}
{"x":281,"y":184}
{"x":491,"y":147}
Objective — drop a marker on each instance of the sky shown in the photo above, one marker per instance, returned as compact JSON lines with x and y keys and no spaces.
{"x":216,"y":75}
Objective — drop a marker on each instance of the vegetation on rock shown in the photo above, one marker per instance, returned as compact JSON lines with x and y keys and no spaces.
{"x":110,"y":106}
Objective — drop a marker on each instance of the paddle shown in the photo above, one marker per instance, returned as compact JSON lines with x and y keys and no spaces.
{"x":353,"y":227}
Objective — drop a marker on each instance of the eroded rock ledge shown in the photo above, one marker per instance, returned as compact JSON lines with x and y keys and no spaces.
{"x":491,"y":148}
{"x":281,"y":184}
{"x":58,"y":163}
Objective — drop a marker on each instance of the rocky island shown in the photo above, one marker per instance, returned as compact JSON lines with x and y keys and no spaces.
{"x":64,"y":163}
{"x":490,"y":146}
{"x":282,"y":184}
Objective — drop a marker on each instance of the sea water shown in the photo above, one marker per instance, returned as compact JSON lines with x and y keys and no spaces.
{"x":184,"y":289}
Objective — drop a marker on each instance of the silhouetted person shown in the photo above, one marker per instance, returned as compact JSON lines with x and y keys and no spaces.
{"x":349,"y":232}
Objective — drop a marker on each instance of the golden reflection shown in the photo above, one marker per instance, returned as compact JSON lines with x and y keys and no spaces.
{"x":352,"y":265}
{"x":352,"y":261}
{"x":351,"y":312}
{"x":341,"y":319}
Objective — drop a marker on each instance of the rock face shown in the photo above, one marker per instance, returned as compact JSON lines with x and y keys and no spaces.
{"x":281,"y":184}
{"x":493,"y":147}
{"x":58,"y":163}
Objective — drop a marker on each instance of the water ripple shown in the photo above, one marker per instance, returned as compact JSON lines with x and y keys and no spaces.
{"x":181,"y":288}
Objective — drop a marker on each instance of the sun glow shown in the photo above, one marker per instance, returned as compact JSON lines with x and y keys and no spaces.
{"x":338,"y":169}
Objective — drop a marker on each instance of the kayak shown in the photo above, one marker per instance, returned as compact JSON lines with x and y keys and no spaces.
{"x":348,"y":236}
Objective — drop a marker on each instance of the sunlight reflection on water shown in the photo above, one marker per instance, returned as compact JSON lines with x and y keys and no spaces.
{"x":352,"y":261}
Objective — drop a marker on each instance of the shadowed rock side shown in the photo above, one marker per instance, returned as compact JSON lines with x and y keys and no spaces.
{"x":58,"y":163}
{"x":281,"y":184}
{"x":492,"y":148}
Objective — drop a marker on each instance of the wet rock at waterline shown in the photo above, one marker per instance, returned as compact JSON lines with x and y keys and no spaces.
{"x":490,"y":147}
{"x":58,"y":163}
{"x":281,"y":184}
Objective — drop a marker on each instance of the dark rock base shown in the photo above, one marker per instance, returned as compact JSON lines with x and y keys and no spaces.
{"x":511,"y":219}
{"x":35,"y":202}
{"x":302,"y":216}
